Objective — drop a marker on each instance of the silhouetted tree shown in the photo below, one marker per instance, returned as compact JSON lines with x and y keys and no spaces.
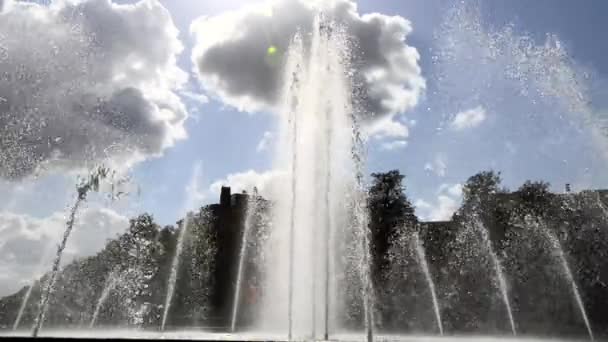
{"x":390,"y":211}
{"x":390,"y":214}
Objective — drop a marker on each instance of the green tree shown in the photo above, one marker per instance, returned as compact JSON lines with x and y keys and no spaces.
{"x":391,"y":214}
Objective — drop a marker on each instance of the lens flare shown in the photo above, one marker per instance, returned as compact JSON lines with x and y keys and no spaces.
{"x":272,"y":50}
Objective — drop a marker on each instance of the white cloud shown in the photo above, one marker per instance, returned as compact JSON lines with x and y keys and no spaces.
{"x":266,"y":183}
{"x":232,"y":62}
{"x":197,"y":98}
{"x":468,"y":119}
{"x":87,"y":80}
{"x":439,"y":166}
{"x":29,"y":244}
{"x":393,"y":145}
{"x":387,"y":128}
{"x":447,"y":202}
{"x":194,"y":191}
{"x":263,"y":144}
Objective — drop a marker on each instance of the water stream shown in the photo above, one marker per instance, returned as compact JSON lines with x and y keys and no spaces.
{"x":44,"y":300}
{"x":105,"y":294}
{"x":556,"y":245}
{"x":421,"y":255}
{"x":252,"y":209}
{"x":174,"y":269}
{"x":498,"y":270}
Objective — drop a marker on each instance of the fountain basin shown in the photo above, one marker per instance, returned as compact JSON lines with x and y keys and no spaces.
{"x":198,"y":335}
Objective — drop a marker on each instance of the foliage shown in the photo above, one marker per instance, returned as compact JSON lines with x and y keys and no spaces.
{"x":512,"y":224}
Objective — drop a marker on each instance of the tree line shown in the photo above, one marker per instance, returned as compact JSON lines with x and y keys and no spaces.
{"x":514,"y":226}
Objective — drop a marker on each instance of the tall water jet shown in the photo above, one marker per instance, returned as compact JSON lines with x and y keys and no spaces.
{"x":498,"y":270}
{"x":557,"y":247}
{"x":105,"y":294}
{"x":28,"y":294}
{"x":601,"y":205}
{"x":174,"y":269}
{"x":315,"y":151}
{"x":252,"y":208}
{"x":292,"y":215}
{"x":327,"y":237}
{"x":92,"y":183}
{"x":421,"y":255}
{"x":24,"y":302}
{"x":361,"y":224}
{"x":44,"y":301}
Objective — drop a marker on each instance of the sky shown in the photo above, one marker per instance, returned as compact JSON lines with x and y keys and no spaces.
{"x":173,"y":93}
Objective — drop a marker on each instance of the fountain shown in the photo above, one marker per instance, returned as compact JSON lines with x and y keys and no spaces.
{"x":321,"y":202}
{"x":28,"y":294}
{"x":556,"y":245}
{"x":417,"y":245}
{"x":24,"y":302}
{"x":111,"y":282}
{"x":252,"y":209}
{"x":502,"y":283}
{"x":318,"y":136}
{"x":174,"y":269}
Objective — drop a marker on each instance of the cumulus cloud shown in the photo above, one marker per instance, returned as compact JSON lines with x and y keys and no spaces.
{"x":87,"y":80}
{"x":438,"y":166}
{"x":264,"y":142}
{"x":387,"y":128}
{"x":448,"y":199}
{"x":29,"y":243}
{"x":266,"y":182}
{"x":393,"y":145}
{"x":233,"y":64}
{"x":194,"y":97}
{"x":468,"y":119}
{"x":194,"y":191}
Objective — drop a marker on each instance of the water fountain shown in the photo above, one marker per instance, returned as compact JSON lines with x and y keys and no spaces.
{"x":28,"y":294}
{"x":502,"y":282}
{"x":83,"y":189}
{"x":252,"y":208}
{"x":322,"y":152}
{"x":559,"y":251}
{"x":111,"y":282}
{"x":44,"y":301}
{"x":421,"y":255}
{"x":316,"y":143}
{"x":174,"y":269}
{"x":24,"y":302}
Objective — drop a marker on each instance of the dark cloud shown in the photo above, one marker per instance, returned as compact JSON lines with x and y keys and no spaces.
{"x":84,"y":81}
{"x":233,"y":64}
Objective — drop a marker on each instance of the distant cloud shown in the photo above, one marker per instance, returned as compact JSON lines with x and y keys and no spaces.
{"x":266,"y":183}
{"x":447,"y":202}
{"x":468,"y":119}
{"x":264,"y":142}
{"x":438,"y":166}
{"x":387,"y":128}
{"x":393,"y":145}
{"x":87,"y":80}
{"x":197,"y":98}
{"x":231,"y":58}
{"x":29,"y":244}
{"x":194,"y":191}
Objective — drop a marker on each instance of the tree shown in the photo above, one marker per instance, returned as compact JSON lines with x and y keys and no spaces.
{"x":535,"y":198}
{"x":390,"y":214}
{"x":479,"y":189}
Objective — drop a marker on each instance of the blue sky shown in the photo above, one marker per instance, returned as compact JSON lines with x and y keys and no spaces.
{"x":224,"y":140}
{"x":522,"y":140}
